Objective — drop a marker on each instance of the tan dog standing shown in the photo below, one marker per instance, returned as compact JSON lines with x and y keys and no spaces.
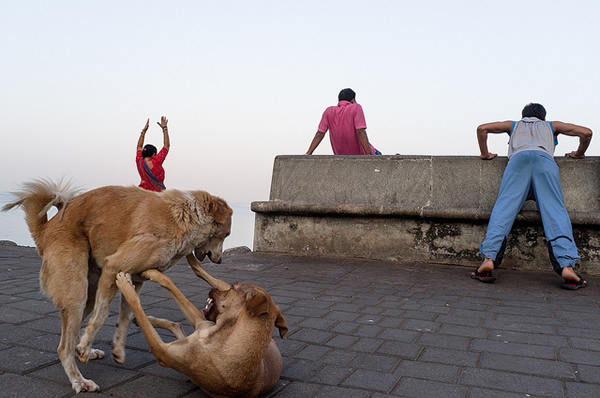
{"x":104,"y":231}
{"x":231,"y":352}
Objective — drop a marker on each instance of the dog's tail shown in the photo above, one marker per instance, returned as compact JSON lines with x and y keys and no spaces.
{"x":39,"y":196}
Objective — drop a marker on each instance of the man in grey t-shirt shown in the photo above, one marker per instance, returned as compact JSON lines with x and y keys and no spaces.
{"x":532,"y":173}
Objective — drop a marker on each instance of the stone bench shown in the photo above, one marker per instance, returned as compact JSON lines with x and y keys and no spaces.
{"x":414,"y":208}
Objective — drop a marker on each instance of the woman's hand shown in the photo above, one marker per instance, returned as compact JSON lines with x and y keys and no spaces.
{"x":146,"y":126}
{"x":163,"y":122}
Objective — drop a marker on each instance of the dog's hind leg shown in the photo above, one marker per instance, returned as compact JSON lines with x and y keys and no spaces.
{"x":104,"y":297}
{"x":173,"y":327}
{"x":125,"y":316}
{"x":71,"y":322}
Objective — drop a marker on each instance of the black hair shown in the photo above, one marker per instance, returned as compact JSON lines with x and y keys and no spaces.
{"x":346,"y":94}
{"x":534,"y":110}
{"x":149,"y":151}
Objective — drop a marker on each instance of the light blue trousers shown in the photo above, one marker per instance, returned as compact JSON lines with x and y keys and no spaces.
{"x":532,"y":175}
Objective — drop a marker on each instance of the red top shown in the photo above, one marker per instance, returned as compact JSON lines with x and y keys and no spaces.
{"x":154,"y":181}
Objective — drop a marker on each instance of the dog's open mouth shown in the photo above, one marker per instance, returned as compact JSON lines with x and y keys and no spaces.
{"x":207,"y":310}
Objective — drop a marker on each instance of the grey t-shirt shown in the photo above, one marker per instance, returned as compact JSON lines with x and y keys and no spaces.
{"x":531,"y":134}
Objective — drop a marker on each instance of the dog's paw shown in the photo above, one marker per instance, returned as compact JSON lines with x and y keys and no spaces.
{"x":83,"y":354}
{"x":83,"y":385}
{"x":118,"y":355}
{"x":152,"y":275}
{"x":96,"y":354}
{"x":123,"y":280}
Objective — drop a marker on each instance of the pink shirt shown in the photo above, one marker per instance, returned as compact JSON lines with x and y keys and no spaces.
{"x":342,"y":121}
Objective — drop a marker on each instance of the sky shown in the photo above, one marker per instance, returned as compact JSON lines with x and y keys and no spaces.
{"x":244,"y":81}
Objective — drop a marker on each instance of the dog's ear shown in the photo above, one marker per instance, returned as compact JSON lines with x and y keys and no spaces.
{"x":280,"y":323}
{"x":257,"y":303}
{"x":220,"y":210}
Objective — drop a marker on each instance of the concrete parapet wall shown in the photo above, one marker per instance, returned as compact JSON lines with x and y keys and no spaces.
{"x":414,"y":208}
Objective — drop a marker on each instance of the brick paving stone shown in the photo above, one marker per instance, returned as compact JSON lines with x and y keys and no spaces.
{"x":511,"y":382}
{"x":366,"y":345}
{"x":519,"y":327}
{"x":525,"y":350}
{"x":533,"y":366}
{"x":22,"y":359}
{"x":589,"y":343}
{"x":371,"y":380}
{"x":460,"y":330}
{"x":301,"y":370}
{"x":401,"y":350}
{"x":450,"y":357}
{"x":477,"y":392}
{"x":428,"y":371}
{"x":444,"y":341}
{"x":367,"y":331}
{"x":18,"y":386}
{"x":339,"y":392}
{"x":529,"y":338}
{"x":579,"y":390}
{"x":421,"y":325}
{"x":589,"y":374}
{"x":584,"y":357}
{"x":341,"y":316}
{"x":339,"y":357}
{"x":298,"y":389}
{"x":378,"y":363}
{"x":454,"y":319}
{"x":537,"y":320}
{"x":312,"y":352}
{"x":311,"y":336}
{"x":406,"y":336}
{"x":416,"y":388}
{"x":332,"y":374}
{"x":420,"y":315}
{"x":317,"y":323}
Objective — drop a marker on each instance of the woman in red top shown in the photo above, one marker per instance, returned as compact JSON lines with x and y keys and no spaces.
{"x":149,"y":163}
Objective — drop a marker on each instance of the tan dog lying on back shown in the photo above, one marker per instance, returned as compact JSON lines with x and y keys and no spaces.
{"x":231,"y":353}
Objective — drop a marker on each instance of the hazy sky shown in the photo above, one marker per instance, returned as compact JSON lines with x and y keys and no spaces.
{"x":244,"y":81}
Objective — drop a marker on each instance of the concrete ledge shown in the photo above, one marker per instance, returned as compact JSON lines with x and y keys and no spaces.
{"x":419,"y":208}
{"x":322,"y":209}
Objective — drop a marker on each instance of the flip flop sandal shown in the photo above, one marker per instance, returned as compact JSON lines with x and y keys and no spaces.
{"x":485,"y":277}
{"x":572,"y":285}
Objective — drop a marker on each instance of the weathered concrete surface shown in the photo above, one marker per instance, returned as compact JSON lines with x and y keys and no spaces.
{"x":414,"y":208}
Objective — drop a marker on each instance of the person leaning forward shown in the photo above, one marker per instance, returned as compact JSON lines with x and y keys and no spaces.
{"x":347,"y":128}
{"x":532,"y":173}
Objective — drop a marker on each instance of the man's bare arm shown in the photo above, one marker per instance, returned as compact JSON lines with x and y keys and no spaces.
{"x":315,"y":142}
{"x":584,"y":134}
{"x":491,"y":128}
{"x":364,"y":140}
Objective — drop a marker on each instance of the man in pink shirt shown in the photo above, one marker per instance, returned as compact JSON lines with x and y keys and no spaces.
{"x":347,"y":128}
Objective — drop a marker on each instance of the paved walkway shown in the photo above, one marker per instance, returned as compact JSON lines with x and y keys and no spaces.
{"x":358,"y":328}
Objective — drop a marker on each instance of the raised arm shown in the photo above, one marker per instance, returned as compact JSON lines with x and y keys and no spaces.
{"x":491,"y":128}
{"x":140,"y":144}
{"x":163,"y":125}
{"x":584,"y":134}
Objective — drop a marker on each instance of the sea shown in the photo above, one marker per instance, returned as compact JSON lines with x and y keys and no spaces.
{"x":13,"y":227}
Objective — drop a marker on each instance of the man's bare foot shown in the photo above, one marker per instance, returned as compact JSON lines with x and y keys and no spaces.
{"x":572,"y":281}
{"x":568,"y":273}
{"x":486,"y":266}
{"x":484,"y":272}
